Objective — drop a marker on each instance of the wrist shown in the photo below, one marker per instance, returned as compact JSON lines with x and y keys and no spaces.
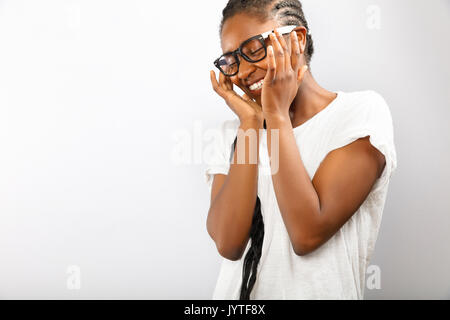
{"x":252,"y":120}
{"x":277,"y":119}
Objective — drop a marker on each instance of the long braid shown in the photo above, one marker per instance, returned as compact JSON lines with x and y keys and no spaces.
{"x":285,"y":12}
{"x":253,"y":255}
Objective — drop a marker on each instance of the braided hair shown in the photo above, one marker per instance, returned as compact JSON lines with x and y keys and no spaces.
{"x":285,"y":12}
{"x":253,"y":255}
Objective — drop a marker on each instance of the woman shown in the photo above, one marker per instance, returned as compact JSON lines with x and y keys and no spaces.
{"x":307,"y":230}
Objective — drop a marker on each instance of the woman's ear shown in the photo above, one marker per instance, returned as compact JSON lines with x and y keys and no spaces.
{"x":301,"y":34}
{"x":301,"y":73}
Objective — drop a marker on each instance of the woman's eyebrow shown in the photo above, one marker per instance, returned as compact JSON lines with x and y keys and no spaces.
{"x":229,"y":51}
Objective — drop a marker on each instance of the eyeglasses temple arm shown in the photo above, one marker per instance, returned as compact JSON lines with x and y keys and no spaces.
{"x":282,"y":30}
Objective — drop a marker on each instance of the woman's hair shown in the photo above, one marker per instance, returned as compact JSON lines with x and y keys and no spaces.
{"x":253,"y":255}
{"x":285,"y":12}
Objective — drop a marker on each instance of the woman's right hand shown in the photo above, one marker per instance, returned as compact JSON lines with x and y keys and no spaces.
{"x":244,"y":107}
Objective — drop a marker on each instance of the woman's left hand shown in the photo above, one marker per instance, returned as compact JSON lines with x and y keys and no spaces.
{"x":284,"y":76}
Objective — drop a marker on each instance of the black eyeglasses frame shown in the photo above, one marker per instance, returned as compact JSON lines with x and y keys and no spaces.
{"x":261,"y":37}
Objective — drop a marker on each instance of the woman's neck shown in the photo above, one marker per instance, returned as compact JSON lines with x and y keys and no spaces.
{"x":310,"y":99}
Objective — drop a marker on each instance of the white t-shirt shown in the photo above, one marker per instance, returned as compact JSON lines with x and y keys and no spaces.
{"x":337,"y":269}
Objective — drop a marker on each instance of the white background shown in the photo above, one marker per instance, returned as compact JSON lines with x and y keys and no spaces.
{"x":93,"y":94}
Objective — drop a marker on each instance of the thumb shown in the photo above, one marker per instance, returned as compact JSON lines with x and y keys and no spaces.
{"x":246,"y":97}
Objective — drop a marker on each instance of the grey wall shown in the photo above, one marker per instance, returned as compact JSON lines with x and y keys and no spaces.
{"x":95,"y":95}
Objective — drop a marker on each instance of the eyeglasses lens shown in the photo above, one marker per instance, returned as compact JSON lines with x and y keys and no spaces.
{"x":228,"y":64}
{"x":253,"y":50}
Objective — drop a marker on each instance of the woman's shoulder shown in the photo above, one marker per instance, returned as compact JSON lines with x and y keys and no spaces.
{"x":363,"y":105}
{"x":365,"y":99}
{"x":362,"y":112}
{"x":366,"y":113}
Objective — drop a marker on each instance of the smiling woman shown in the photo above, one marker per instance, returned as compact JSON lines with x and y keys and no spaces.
{"x":307,"y":230}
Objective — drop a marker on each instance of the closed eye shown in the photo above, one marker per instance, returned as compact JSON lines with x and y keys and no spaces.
{"x":257,"y":51}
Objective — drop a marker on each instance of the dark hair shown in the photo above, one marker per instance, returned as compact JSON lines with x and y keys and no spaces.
{"x":253,"y":255}
{"x":286,"y":12}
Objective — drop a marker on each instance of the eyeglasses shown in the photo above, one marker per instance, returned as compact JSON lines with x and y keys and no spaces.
{"x":253,"y":49}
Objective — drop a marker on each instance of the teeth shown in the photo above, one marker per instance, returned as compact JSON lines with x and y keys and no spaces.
{"x":257,"y":85}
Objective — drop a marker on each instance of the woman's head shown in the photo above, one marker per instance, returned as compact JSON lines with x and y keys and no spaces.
{"x":243,"y":19}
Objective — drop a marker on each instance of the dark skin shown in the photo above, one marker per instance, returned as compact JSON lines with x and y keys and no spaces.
{"x":312,"y":210}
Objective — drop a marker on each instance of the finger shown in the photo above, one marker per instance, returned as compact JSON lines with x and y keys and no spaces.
{"x":287,"y":58}
{"x":228,"y":83}
{"x":214,"y":82}
{"x":295,"y":50}
{"x":271,"y":66}
{"x":222,"y":80}
{"x":246,"y":97}
{"x":216,"y":86}
{"x":278,"y":53}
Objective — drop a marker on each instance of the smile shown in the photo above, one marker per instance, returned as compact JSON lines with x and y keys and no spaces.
{"x":256,"y":85}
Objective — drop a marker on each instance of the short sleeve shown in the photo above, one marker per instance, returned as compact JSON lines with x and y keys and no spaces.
{"x":369,"y":115}
{"x":218,"y":151}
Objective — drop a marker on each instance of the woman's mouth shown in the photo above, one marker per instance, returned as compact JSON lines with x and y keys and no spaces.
{"x":256,"y":87}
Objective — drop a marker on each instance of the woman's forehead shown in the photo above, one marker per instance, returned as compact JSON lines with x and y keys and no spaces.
{"x":241,"y":27}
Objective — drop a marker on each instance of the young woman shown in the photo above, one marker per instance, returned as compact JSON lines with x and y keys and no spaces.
{"x":306,"y":230}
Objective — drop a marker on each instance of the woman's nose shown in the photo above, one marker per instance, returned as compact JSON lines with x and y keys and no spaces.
{"x":245,"y":68}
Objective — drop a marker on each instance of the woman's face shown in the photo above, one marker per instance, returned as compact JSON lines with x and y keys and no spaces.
{"x":237,"y":29}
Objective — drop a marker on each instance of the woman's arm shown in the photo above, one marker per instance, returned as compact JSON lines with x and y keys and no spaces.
{"x":233,"y":198}
{"x":313,"y":211}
